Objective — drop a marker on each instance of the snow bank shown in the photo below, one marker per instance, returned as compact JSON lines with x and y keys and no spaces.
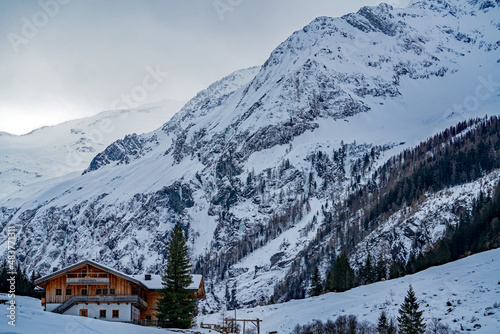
{"x":31,"y":318}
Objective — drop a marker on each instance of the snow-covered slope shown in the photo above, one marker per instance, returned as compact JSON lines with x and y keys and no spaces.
{"x":425,"y":223}
{"x":399,"y":236}
{"x":464,"y":294}
{"x":55,"y":151}
{"x":31,"y":318}
{"x":238,"y":167}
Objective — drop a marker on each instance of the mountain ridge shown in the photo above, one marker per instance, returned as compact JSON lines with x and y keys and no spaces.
{"x":51,"y":152}
{"x":241,"y":170}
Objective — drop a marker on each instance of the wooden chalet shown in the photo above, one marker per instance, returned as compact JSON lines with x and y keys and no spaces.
{"x":90,"y":289}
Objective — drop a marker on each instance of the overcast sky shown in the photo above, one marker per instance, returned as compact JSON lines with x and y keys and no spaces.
{"x":66,"y":59}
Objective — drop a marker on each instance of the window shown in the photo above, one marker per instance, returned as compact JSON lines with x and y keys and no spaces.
{"x":68,"y":292}
{"x":104,"y":291}
{"x":111,"y":291}
{"x":148,"y":317}
{"x":58,"y":292}
{"x":84,"y":292}
{"x":116,"y":313}
{"x":102,"y":313}
{"x":98,"y":291}
{"x":83,"y":313}
{"x":84,"y":273}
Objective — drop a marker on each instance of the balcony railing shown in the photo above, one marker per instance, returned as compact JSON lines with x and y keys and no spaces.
{"x":87,"y":275}
{"x":135,"y":299}
{"x":89,"y":278}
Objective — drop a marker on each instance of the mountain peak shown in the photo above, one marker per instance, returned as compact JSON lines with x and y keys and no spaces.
{"x":254,"y":165}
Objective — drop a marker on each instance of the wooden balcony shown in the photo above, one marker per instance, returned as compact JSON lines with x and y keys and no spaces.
{"x":133,"y":299}
{"x":89,"y":278}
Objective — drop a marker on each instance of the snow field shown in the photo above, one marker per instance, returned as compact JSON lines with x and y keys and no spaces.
{"x":463,"y":294}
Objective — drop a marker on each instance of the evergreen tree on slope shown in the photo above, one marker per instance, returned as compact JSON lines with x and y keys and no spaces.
{"x":342,"y":277}
{"x":176,"y":307}
{"x":385,"y":325}
{"x":316,"y":286}
{"x":410,"y":319}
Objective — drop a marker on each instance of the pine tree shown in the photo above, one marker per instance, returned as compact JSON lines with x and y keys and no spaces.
{"x":3,"y":277}
{"x":392,"y":329}
{"x":386,"y":325}
{"x":176,"y":307}
{"x":367,"y":271}
{"x":343,"y":276}
{"x":316,"y":286}
{"x":410,"y":319}
{"x":271,"y":300}
{"x":383,"y":324}
{"x":394,"y":270}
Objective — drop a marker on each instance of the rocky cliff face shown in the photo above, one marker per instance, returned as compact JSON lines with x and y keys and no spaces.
{"x":248,"y":165}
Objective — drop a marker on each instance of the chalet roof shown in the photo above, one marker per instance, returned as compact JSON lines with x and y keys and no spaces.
{"x":93,"y":263}
{"x":155,"y":282}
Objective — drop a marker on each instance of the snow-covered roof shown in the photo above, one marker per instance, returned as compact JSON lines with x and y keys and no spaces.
{"x":155,"y":282}
{"x":91,"y":262}
{"x":196,"y":282}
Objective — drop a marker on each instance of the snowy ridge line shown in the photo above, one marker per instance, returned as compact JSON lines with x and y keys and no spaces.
{"x":51,"y":154}
{"x":232,"y":167}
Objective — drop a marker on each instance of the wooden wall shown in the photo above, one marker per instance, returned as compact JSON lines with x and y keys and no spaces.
{"x":121,"y":285}
{"x":153,"y":296}
{"x":200,"y":294}
{"x":58,"y":282}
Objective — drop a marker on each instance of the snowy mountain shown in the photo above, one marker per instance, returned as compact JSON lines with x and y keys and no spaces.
{"x":45,"y":155}
{"x":249,"y":165}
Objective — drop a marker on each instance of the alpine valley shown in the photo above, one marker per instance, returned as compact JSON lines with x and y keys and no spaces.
{"x":373,"y":133}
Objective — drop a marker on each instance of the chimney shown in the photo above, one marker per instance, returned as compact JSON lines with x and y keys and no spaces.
{"x":147,"y":277}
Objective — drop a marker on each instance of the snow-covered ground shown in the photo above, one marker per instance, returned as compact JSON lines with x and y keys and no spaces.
{"x":31,"y":318}
{"x":463,"y":294}
{"x":381,"y":77}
